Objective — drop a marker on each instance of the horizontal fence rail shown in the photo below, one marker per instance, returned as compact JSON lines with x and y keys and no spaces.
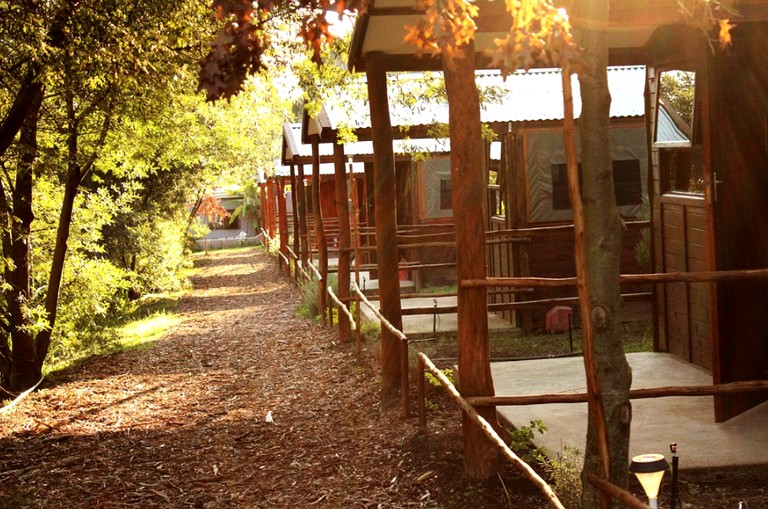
{"x":664,"y":277}
{"x":654,"y":392}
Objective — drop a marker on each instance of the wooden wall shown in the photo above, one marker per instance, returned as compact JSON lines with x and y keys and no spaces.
{"x":550,"y":254}
{"x":684,"y":247}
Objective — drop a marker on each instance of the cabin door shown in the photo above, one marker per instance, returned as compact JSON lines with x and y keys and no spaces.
{"x":683,"y":216}
{"x":737,"y":89}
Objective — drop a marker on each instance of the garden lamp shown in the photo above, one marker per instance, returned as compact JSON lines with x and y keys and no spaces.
{"x":649,"y":469}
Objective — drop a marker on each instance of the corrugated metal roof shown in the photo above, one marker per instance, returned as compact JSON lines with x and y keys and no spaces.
{"x":363,"y":148}
{"x":667,"y":131}
{"x":325,"y":169}
{"x":530,"y":96}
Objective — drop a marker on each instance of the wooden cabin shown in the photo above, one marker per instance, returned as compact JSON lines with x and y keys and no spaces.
{"x":297,"y":153}
{"x":707,"y":194}
{"x":526,"y":185}
{"x":528,"y":190}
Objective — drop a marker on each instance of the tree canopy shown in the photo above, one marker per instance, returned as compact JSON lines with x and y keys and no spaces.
{"x":103,"y":143}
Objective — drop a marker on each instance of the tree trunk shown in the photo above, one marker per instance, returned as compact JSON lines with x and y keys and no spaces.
{"x":21,"y":368}
{"x":57,"y":264}
{"x":342,"y":209}
{"x":25,"y":103}
{"x":604,"y":231}
{"x":385,"y":207}
{"x":193,"y":212}
{"x":469,"y":209}
{"x":76,"y":172}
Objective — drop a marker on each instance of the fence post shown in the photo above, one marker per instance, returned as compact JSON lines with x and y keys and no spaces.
{"x":420,"y":395}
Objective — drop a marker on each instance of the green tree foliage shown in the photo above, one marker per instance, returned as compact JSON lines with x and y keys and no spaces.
{"x":677,"y":88}
{"x":251,"y":206}
{"x":71,"y":72}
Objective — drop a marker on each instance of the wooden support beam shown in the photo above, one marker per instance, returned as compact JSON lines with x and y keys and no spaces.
{"x":282,"y":215}
{"x":272,"y":207}
{"x":302,"y":208}
{"x":342,"y":209}
{"x":264,"y":210}
{"x":354,"y":219}
{"x":385,"y":209}
{"x":319,"y":232}
{"x":481,"y":458}
{"x":296,"y":234}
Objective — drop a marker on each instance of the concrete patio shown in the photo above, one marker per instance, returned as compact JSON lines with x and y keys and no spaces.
{"x":689,"y":421}
{"x":424,"y":325}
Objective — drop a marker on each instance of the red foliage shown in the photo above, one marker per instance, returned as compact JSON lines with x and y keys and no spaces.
{"x":210,"y":206}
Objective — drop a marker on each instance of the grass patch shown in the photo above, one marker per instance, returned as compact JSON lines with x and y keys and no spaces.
{"x":439,"y":289}
{"x":637,"y":337}
{"x":142,"y":323}
{"x":146,"y":330}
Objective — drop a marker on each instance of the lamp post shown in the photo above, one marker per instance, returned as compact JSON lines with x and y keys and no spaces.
{"x":649,"y":469}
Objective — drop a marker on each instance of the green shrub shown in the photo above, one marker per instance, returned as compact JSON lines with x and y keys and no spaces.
{"x":565,"y":475}
{"x":308,"y":305}
{"x":521,"y":441}
{"x":434,"y":382}
{"x":92,"y":292}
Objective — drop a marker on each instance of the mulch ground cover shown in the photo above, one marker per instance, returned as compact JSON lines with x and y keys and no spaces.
{"x":184,"y":422}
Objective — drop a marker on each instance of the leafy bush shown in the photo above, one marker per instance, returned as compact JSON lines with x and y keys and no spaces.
{"x":521,"y":441}
{"x":91,"y":293}
{"x":565,"y":475}
{"x":161,"y":257}
{"x":434,"y":382}
{"x":308,"y":305}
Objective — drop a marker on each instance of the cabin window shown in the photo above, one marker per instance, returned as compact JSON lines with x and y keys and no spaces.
{"x":435,"y":176}
{"x":627,"y":184}
{"x":548,"y":200}
{"x":560,"y":198}
{"x":680,"y":168}
{"x":445,"y":195}
{"x":676,"y":100}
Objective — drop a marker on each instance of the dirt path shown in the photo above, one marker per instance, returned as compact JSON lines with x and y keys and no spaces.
{"x":182,"y":424}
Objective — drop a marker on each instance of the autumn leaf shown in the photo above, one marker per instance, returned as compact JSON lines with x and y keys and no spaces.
{"x":539,"y":33}
{"x":446,"y":26}
{"x":725,"y":33}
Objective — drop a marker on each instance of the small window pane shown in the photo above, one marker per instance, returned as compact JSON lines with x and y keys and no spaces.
{"x":445,"y":194}
{"x":626,"y":182}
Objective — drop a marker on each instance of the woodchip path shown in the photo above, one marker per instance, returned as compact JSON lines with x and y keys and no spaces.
{"x":182,"y":423}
